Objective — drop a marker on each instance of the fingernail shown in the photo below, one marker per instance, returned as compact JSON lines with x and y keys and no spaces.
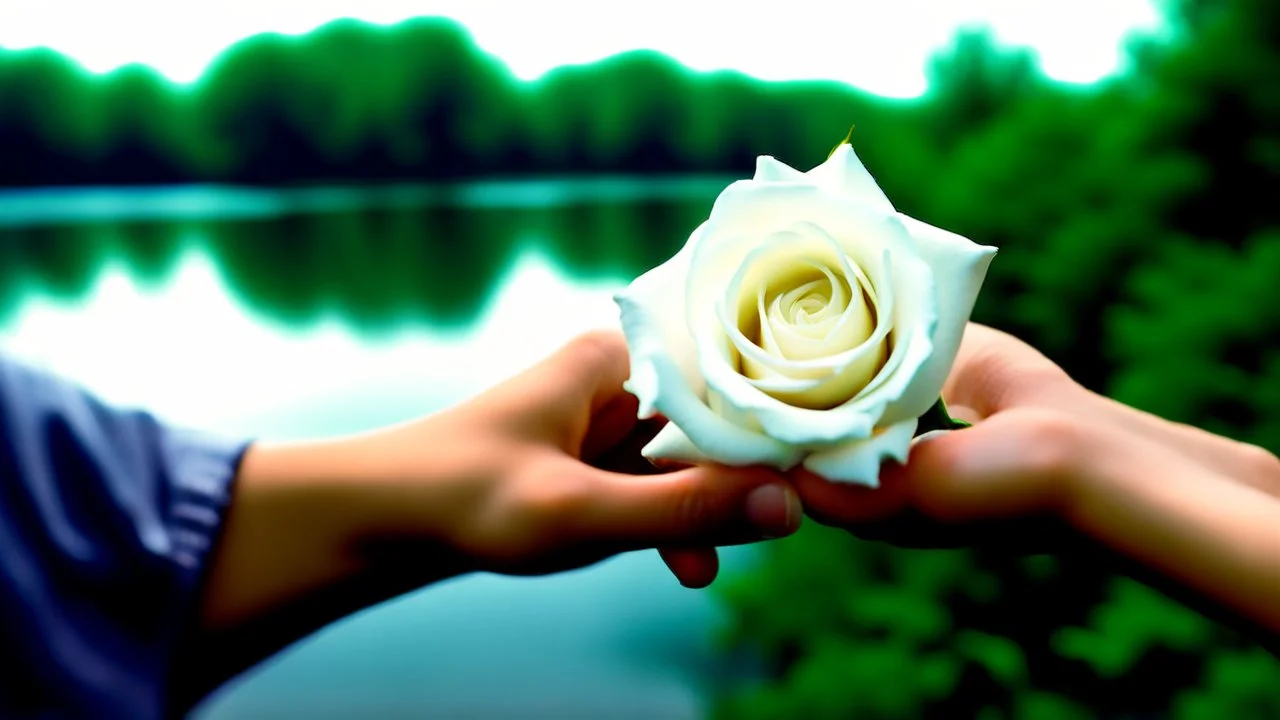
{"x":773,"y":509}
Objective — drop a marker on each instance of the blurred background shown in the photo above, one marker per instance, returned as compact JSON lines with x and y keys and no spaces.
{"x":300,"y":219}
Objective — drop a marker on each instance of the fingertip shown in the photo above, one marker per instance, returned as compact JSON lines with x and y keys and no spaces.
{"x":774,"y":509}
{"x":694,"y":568}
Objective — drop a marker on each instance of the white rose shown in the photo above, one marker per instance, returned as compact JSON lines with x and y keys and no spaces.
{"x":806,"y":321}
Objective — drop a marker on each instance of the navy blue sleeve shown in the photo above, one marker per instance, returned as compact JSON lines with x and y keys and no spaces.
{"x":107,"y":518}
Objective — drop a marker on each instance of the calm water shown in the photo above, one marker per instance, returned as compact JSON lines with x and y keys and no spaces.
{"x":321,"y":311}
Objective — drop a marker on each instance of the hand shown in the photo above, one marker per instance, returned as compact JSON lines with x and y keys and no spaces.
{"x":1036,"y":434}
{"x":543,"y":473}
{"x":1014,"y":463}
{"x":540,"y":474}
{"x":1201,"y":510}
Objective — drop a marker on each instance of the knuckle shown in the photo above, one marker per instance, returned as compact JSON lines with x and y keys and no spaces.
{"x":597,"y":347}
{"x":1037,"y":381}
{"x":1050,"y":443}
{"x":1260,"y":462}
{"x":557,"y":500}
{"x":1037,"y":453}
{"x":535,"y":512}
{"x":1005,"y":376}
{"x":694,"y":508}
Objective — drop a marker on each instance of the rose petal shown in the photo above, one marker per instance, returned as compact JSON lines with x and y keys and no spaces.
{"x":747,"y":213}
{"x":914,"y":315}
{"x":652,"y":320}
{"x":664,"y":369}
{"x":770,"y":169}
{"x":844,"y":320}
{"x":859,"y":461}
{"x":843,"y":171}
{"x":801,"y":384}
{"x":805,"y":243}
{"x":959,"y":267}
{"x":672,"y":444}
{"x":802,"y":340}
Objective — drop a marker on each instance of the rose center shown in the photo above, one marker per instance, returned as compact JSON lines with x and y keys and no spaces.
{"x":809,"y":330}
{"x":805,"y":304}
{"x":805,"y":310}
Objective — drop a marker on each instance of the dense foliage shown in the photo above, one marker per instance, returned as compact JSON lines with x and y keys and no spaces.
{"x":1138,"y":230}
{"x":1140,"y":247}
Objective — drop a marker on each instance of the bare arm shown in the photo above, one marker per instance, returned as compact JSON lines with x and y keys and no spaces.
{"x":1199,"y":510}
{"x":538,"y":475}
{"x":1216,"y":534}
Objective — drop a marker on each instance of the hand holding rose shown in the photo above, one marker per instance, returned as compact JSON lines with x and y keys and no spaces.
{"x":805,"y":322}
{"x":540,"y":474}
{"x":1200,"y":509}
{"x":806,"y":327}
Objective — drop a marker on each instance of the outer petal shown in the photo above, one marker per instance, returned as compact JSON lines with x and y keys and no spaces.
{"x":653,"y":321}
{"x":771,"y":169}
{"x":664,"y":368}
{"x":959,"y":267}
{"x":672,"y":444}
{"x":844,"y":172}
{"x":859,"y":461}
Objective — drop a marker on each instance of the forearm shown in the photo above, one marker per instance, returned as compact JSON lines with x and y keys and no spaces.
{"x":299,"y":550}
{"x":1203,"y":530}
{"x":1238,"y":461}
{"x":294,"y":515}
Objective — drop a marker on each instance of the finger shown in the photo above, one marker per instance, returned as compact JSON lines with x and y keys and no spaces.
{"x":994,"y":371}
{"x":570,"y":389}
{"x":613,"y":424}
{"x":1010,"y":465}
{"x":590,"y":369}
{"x":625,"y":455}
{"x":694,"y":567}
{"x":846,"y":505}
{"x":1003,"y":467}
{"x":698,"y":506}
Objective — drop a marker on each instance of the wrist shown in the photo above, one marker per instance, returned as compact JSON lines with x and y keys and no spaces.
{"x":291,"y":556}
{"x":289,"y":532}
{"x":381,"y":511}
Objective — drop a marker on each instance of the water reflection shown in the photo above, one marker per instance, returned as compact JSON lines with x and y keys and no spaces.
{"x":187,"y":348}
{"x":377,"y":255}
{"x":304,"y":324}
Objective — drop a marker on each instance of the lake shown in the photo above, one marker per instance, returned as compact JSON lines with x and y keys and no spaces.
{"x":311,"y":312}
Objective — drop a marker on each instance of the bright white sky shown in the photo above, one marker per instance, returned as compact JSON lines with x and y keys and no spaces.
{"x":879,"y":45}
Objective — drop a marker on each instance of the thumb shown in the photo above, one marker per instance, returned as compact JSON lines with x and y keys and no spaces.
{"x":1006,"y":466}
{"x":1002,"y":467}
{"x":697,"y":506}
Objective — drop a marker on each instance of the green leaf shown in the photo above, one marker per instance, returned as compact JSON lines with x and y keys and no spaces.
{"x":846,"y":141}
{"x":937,"y":418}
